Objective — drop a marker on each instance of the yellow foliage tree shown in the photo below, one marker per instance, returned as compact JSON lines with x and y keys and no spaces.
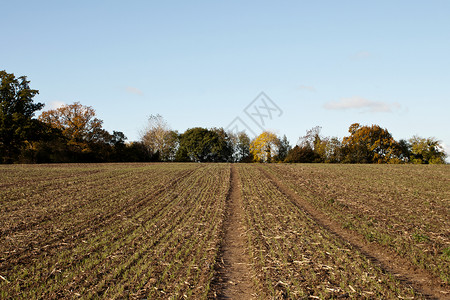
{"x":426,"y":151}
{"x":264,"y":147}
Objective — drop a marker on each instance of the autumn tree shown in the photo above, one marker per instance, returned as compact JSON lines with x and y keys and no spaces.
{"x":264,"y":147}
{"x":370,"y":144}
{"x":426,"y":151}
{"x":159,"y":139}
{"x":77,"y":123}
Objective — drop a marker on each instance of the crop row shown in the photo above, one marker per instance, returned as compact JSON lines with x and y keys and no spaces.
{"x":138,"y":231}
{"x":50,"y":213}
{"x":405,"y":208}
{"x":293,"y":257}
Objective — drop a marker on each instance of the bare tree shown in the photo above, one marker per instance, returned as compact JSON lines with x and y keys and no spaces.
{"x":159,"y":139}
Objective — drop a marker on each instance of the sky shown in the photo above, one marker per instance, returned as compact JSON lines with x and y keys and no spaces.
{"x":284,"y":66}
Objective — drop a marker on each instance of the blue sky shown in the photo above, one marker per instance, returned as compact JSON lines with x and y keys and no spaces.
{"x":200,"y":63}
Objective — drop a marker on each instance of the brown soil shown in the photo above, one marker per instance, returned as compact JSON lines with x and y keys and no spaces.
{"x":233,"y":278}
{"x":421,"y":280}
{"x":50,"y":244}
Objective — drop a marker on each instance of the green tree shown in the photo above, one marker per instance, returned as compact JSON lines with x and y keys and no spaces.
{"x":244,"y":148}
{"x":333,"y":150}
{"x":50,"y":148}
{"x":222,"y":150}
{"x":137,"y":152}
{"x":313,"y":140}
{"x":17,"y":109}
{"x":301,"y":154}
{"x":241,"y":146}
{"x":405,"y":150}
{"x":204,"y":145}
{"x":283,"y":148}
{"x":426,"y":151}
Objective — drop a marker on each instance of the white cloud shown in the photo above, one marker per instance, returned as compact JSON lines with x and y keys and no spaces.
{"x":362,"y":55}
{"x":133,"y":90}
{"x":307,"y":88}
{"x":361,"y":104}
{"x":55,"y":104}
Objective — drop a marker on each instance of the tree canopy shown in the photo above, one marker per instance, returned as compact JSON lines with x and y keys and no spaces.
{"x":17,"y":109}
{"x":370,"y":144}
{"x":204,"y":145}
{"x":264,"y":147}
{"x":426,"y":151}
{"x":242,"y":148}
{"x":77,"y":123}
{"x":73,"y":133}
{"x":159,"y":139}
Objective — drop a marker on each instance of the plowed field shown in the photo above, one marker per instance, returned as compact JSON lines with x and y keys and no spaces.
{"x":226,"y":231}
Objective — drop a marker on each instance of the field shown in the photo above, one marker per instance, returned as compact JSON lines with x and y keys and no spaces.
{"x":227,"y":231}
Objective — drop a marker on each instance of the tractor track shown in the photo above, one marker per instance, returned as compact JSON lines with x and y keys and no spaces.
{"x":389,"y":261}
{"x":233,"y":278}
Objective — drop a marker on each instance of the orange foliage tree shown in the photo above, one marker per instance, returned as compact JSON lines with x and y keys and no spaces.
{"x":370,"y":144}
{"x":77,"y":123}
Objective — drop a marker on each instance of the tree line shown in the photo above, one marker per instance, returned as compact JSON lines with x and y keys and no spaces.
{"x":73,"y":133}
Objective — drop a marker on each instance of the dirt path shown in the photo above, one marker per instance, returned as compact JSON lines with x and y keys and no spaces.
{"x":387,"y":259}
{"x":233,"y":278}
